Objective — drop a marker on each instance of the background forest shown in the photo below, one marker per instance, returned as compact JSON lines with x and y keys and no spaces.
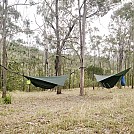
{"x":65,"y":42}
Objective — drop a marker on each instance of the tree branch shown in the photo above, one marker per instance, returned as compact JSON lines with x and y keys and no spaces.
{"x":68,"y":34}
{"x":11,"y":70}
{"x":23,"y":4}
{"x":92,"y":14}
{"x":52,"y":26}
{"x":37,"y":23}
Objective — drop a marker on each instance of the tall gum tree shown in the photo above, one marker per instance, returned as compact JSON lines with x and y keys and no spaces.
{"x":7,"y":30}
{"x":123,"y":23}
{"x":61,"y":27}
{"x":57,"y":25}
{"x":4,"y":51}
{"x":82,"y":44}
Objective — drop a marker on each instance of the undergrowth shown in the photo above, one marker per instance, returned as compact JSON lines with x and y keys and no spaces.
{"x":6,"y":100}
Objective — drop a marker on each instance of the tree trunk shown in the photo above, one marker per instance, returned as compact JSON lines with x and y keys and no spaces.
{"x":132,"y":43}
{"x":82,"y":45}
{"x":4,"y":54}
{"x":120,"y":56}
{"x":46,"y":61}
{"x":58,"y":53}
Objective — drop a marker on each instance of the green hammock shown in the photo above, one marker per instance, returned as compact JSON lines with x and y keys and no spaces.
{"x":47,"y":82}
{"x":111,"y":80}
{"x":43,"y":82}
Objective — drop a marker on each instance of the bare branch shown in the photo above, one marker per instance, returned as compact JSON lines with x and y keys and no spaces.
{"x":92,"y":14}
{"x":50,"y":7}
{"x":23,"y":4}
{"x":37,"y":23}
{"x":52,"y":26}
{"x":18,"y":73}
{"x":68,"y":34}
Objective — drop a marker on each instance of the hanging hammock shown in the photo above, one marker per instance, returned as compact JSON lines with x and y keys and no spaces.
{"x":42,"y":81}
{"x":47,"y":82}
{"x":111,"y":80}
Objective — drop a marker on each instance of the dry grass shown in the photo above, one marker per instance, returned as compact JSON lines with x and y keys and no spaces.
{"x":100,"y":111}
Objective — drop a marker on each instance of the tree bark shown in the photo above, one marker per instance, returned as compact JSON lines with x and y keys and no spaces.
{"x":58,"y":52}
{"x":4,"y":53}
{"x":133,"y":55}
{"x":82,"y":45}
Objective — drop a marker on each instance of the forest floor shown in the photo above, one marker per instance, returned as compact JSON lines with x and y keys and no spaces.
{"x":100,"y":111}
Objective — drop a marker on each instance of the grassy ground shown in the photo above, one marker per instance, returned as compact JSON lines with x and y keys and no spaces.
{"x":100,"y":111}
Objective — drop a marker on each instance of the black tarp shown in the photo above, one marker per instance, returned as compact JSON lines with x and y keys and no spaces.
{"x":47,"y":82}
{"x":111,"y":80}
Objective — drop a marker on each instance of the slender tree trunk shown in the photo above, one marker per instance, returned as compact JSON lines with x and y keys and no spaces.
{"x":23,"y":82}
{"x":29,"y":58}
{"x":128,"y":65}
{"x":132,"y":79}
{"x":120,"y":56}
{"x":93,"y":70}
{"x":132,"y":43}
{"x":58,"y":52}
{"x":45,"y":59}
{"x":82,"y":45}
{"x":4,"y":54}
{"x":81,"y":69}
{"x":1,"y":25}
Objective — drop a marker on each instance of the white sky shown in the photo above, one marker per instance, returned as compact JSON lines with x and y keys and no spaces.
{"x":103,"y":22}
{"x":29,"y":12}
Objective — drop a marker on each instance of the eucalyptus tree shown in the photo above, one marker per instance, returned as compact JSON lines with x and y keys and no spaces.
{"x":8,"y":27}
{"x":110,"y":52}
{"x":28,"y":33}
{"x":61,"y":17}
{"x":127,"y":13}
{"x":90,"y":8}
{"x":4,"y":52}
{"x":82,"y":43}
{"x":96,"y":44}
{"x":124,"y":23}
{"x":120,"y":32}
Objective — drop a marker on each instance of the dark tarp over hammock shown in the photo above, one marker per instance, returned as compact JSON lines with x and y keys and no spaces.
{"x":111,"y":80}
{"x":47,"y":82}
{"x":43,"y":82}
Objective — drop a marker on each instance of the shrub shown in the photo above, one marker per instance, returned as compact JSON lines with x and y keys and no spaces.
{"x":7,"y":99}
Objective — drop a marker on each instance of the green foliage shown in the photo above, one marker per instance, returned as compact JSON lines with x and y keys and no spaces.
{"x":19,"y":61}
{"x":126,"y":12}
{"x":12,"y":17}
{"x":100,"y":2}
{"x":116,"y":1}
{"x":105,"y":5}
{"x":107,"y":72}
{"x":89,"y":82}
{"x":93,"y":70}
{"x":73,"y":80}
{"x":89,"y":75}
{"x":6,"y":100}
{"x":14,"y":81}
